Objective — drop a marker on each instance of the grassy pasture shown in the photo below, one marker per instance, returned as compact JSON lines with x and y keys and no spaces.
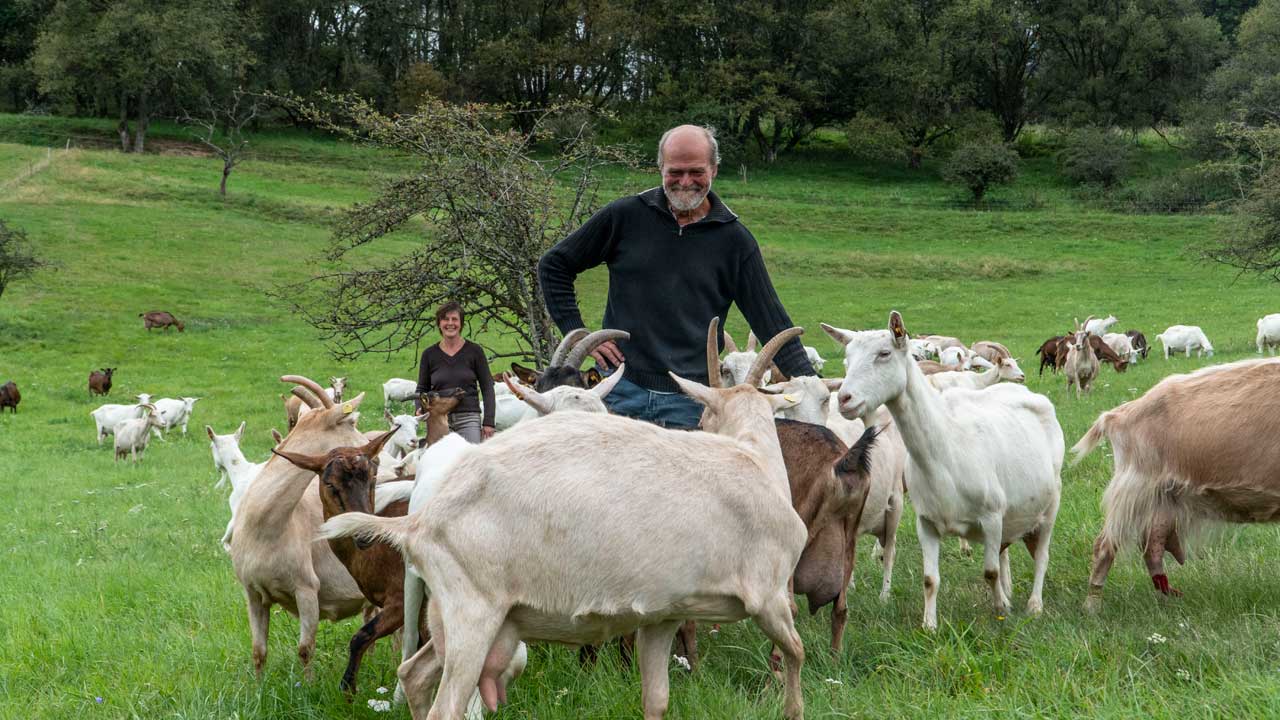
{"x":116,"y":599}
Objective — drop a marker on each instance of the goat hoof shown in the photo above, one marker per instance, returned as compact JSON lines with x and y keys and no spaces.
{"x":1035,"y":606}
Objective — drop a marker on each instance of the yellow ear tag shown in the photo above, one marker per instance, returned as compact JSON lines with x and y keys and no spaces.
{"x":347,"y":408}
{"x":790,"y":398}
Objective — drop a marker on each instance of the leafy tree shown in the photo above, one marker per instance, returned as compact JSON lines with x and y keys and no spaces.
{"x":1002,"y":49}
{"x":489,"y":206}
{"x":1128,"y":63}
{"x":978,"y":166}
{"x":19,"y":21}
{"x":1246,"y":88}
{"x":1095,"y":155}
{"x":139,"y":54}
{"x":18,"y":260}
{"x":1228,"y":13}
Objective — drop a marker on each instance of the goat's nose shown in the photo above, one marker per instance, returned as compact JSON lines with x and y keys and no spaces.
{"x":844,"y":397}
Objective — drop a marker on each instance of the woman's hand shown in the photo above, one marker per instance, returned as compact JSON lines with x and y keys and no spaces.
{"x":486,"y":432}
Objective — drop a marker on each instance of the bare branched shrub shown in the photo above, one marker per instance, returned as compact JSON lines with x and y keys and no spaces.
{"x":487,"y":203}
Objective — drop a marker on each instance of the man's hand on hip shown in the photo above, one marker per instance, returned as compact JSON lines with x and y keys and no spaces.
{"x":607,"y":355}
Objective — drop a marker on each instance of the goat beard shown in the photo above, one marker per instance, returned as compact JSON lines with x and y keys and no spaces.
{"x":686,"y":198}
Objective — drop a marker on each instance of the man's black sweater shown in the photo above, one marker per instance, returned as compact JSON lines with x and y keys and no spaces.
{"x":666,"y":283}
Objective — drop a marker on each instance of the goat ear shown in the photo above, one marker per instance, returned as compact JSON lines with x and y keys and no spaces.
{"x":696,"y":390}
{"x":605,"y":386}
{"x":841,"y":336}
{"x":833,"y":384}
{"x":752,"y":341}
{"x":209,"y":429}
{"x":528,"y":376}
{"x":898,"y":330}
{"x":592,"y":377}
{"x":857,"y":461}
{"x":275,"y":435}
{"x":386,"y":414}
{"x":374,"y":446}
{"x":240,"y":431}
{"x":314,"y":463}
{"x":347,"y":409}
{"x":776,"y":374}
{"x":783,"y":401}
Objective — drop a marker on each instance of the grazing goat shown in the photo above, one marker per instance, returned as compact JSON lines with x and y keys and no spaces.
{"x":274,"y":551}
{"x":398,"y":390}
{"x":983,"y":465}
{"x":1185,"y":337}
{"x":347,"y":485}
{"x":1122,"y":346}
{"x":1268,"y":332}
{"x":1139,"y":342}
{"x":100,"y":381}
{"x":10,"y":397}
{"x":719,"y":549}
{"x":1095,"y":326}
{"x":1006,"y":370}
{"x":175,"y":412}
{"x":106,"y":417}
{"x":1048,"y":353}
{"x":923,"y":349}
{"x":942,"y":342}
{"x":1080,"y":364}
{"x":293,"y":406}
{"x":134,"y":434}
{"x":160,"y":319}
{"x":990,"y":351}
{"x":1195,"y":449}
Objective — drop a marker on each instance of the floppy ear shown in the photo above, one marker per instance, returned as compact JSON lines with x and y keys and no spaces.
{"x":314,"y":463}
{"x":528,"y":376}
{"x":898,"y":330}
{"x":841,"y":336}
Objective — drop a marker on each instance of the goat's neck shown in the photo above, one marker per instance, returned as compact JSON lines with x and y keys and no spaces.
{"x":239,"y":469}
{"x":989,"y":378}
{"x":271,"y":499}
{"x":437,"y":427}
{"x":923,"y":420}
{"x":760,"y":433}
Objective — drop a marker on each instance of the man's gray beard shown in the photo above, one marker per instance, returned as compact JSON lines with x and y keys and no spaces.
{"x":677,"y":199}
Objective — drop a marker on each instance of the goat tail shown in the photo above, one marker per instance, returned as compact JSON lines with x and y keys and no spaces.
{"x":1097,"y":432}
{"x":391,"y":530}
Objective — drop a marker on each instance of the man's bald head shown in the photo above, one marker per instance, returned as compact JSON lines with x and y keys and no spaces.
{"x":689,"y":138}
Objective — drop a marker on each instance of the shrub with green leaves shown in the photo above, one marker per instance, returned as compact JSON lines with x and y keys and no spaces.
{"x":1095,"y":155}
{"x":980,"y":165}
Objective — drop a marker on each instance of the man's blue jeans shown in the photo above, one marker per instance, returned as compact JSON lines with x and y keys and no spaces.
{"x":671,"y":410}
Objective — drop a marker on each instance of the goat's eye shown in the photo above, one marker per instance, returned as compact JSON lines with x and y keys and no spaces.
{"x":883,"y":355}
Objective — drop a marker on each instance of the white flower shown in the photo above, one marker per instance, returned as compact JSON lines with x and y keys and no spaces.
{"x":682,"y":662}
{"x":379,"y":705}
{"x":382,"y":691}
{"x":1184,"y":674}
{"x":834,"y":681}
{"x":1157,"y":638}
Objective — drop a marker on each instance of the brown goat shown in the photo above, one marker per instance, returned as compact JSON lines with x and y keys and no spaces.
{"x":1195,"y":449}
{"x":10,"y":397}
{"x":160,"y":319}
{"x":347,"y":485}
{"x":100,"y":381}
{"x":1050,"y":356}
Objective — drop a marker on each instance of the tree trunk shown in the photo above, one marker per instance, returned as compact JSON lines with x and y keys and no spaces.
{"x":144,"y":119}
{"x":226,"y":172}
{"x":123,"y":127}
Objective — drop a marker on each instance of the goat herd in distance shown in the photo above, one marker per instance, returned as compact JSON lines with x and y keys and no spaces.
{"x":789,"y":473}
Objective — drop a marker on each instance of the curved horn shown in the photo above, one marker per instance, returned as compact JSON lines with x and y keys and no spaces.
{"x":591,"y":342}
{"x":311,"y":385}
{"x":729,"y":344}
{"x":768,"y":351}
{"x":713,"y":353}
{"x":573,"y":338}
{"x":306,"y":396}
{"x":1086,"y":322}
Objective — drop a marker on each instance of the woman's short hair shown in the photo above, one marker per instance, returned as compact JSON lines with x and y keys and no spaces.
{"x":453,"y":306}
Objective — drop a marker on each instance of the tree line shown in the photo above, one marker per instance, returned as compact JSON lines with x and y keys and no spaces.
{"x":765,"y":73}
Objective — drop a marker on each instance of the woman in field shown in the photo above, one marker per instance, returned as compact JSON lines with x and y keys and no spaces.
{"x":455,"y":362}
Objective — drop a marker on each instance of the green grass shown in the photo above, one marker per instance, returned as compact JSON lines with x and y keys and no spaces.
{"x":114,"y":585}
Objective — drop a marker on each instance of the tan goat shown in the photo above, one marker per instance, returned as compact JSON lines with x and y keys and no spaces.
{"x":1081,"y":366}
{"x":1195,"y":449}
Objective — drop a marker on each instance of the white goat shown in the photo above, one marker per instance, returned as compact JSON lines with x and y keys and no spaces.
{"x":175,"y":412}
{"x":1006,"y":370}
{"x":962,"y":357}
{"x":106,"y":417}
{"x":814,"y":358}
{"x":942,"y":342}
{"x":719,"y":549}
{"x":1098,"y":326}
{"x":984,"y":465}
{"x":1122,"y":345}
{"x":735,"y":364}
{"x":923,"y":349}
{"x":132,"y":435}
{"x":565,"y":397}
{"x":1185,"y":337}
{"x":990,"y":350}
{"x":231,"y":462}
{"x":405,"y":439}
{"x":398,"y":390}
{"x":1268,"y":332}
{"x":884,"y":504}
{"x":1081,"y":366}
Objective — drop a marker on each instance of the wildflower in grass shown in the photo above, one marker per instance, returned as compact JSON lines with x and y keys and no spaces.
{"x":379,"y":705}
{"x":833,"y":681}
{"x":98,"y":700}
{"x":682,"y":662}
{"x":1157,"y":639}
{"x":382,"y":691}
{"x":1183,"y":674}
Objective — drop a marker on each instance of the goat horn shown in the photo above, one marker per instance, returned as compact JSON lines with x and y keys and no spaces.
{"x":729,"y":344}
{"x":591,"y":342}
{"x":713,"y":353}
{"x":571,"y":339}
{"x":311,"y":385}
{"x":1086,"y":322}
{"x":306,"y":396}
{"x":768,"y":351}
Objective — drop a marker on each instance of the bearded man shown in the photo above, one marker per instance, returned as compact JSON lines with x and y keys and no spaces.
{"x":677,"y":257}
